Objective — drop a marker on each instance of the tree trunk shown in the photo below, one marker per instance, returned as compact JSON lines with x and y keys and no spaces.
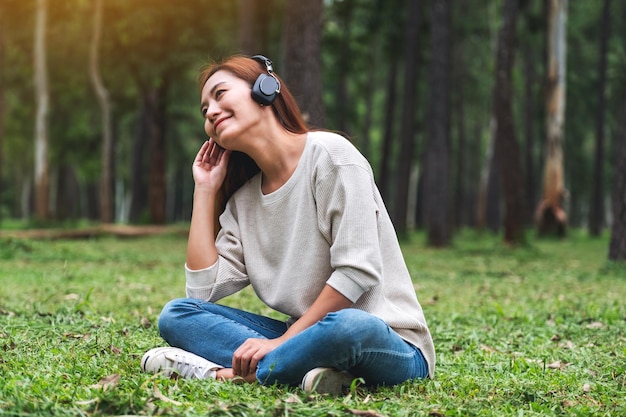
{"x":388,"y":133}
{"x":254,"y":19}
{"x":617,"y":245}
{"x":508,"y":147}
{"x":488,"y":211}
{"x":42,"y":175}
{"x":459,"y":205}
{"x":407,"y":131}
{"x":437,"y":163}
{"x":138,"y":185}
{"x":529,"y":133}
{"x":107,"y":179}
{"x":2,"y":64}
{"x":596,"y":213}
{"x":550,"y":217}
{"x":365,"y":142}
{"x":247,"y":27}
{"x":157,"y":193}
{"x":302,"y":67}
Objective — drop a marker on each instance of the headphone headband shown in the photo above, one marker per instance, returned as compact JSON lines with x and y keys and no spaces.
{"x":266,"y":86}
{"x":263,"y":60}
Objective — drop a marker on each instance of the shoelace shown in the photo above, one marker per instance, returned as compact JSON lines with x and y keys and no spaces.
{"x":188,"y":368}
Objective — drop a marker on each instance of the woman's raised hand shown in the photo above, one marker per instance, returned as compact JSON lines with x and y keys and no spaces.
{"x":209,"y":167}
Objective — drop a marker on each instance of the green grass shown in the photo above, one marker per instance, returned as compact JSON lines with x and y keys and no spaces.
{"x":527,"y":332}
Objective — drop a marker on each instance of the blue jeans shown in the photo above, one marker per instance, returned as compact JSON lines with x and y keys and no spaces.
{"x":347,"y":340}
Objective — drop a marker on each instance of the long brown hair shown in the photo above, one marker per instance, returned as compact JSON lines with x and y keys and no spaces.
{"x":241,"y":167}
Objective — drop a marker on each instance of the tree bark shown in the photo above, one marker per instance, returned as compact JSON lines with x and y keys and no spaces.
{"x":42,"y":175}
{"x":157,"y":189}
{"x":617,"y":245}
{"x":508,"y":147}
{"x":107,"y":179}
{"x":459,"y":205}
{"x":437,"y":163}
{"x":596,"y":213}
{"x":388,"y":133}
{"x":247,"y":27}
{"x":302,"y":67}
{"x":254,"y":21}
{"x":407,"y":131}
{"x":529,"y":133}
{"x":2,"y":64}
{"x":488,"y":211}
{"x":138,"y":184}
{"x":550,"y":217}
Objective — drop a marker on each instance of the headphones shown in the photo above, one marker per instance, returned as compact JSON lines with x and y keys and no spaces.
{"x":266,"y":87}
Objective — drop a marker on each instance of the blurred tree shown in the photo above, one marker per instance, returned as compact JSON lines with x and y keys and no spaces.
{"x":159,"y":42}
{"x":550,"y":215}
{"x":259,"y":26}
{"x":596,"y":213}
{"x":409,"y":110}
{"x":489,"y":213}
{"x":507,"y":145}
{"x":532,"y":57}
{"x":302,"y":69}
{"x":459,"y":74}
{"x":470,"y":96}
{"x":617,"y":244}
{"x":42,"y":174}
{"x":2,"y":107}
{"x":437,"y":162}
{"x":106,"y":187}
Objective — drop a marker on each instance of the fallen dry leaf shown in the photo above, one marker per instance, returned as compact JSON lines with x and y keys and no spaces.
{"x":366,"y":413}
{"x":488,"y":349}
{"x":292,"y":399}
{"x":595,"y":325}
{"x":557,"y":365}
{"x":586,"y":387}
{"x":157,"y":393}
{"x":107,"y":382}
{"x":76,"y":336}
{"x":145,"y":323}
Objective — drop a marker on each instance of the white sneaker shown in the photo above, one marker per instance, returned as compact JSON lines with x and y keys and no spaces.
{"x":326,"y":381}
{"x":174,"y":360}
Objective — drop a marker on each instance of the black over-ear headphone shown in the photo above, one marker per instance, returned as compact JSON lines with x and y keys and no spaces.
{"x":266,"y":87}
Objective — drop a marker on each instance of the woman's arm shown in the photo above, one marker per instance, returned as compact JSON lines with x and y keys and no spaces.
{"x":248,"y":355}
{"x":209,"y":171}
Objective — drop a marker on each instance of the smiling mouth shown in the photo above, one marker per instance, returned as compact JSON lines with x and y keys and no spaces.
{"x":219,"y":122}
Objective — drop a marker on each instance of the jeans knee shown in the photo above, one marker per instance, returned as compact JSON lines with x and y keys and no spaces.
{"x":170,"y":316}
{"x":354,"y":323}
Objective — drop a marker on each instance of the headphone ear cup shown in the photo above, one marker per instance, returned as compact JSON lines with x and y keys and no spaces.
{"x":264,"y":89}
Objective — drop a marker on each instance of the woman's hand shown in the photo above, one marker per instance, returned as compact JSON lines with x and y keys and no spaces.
{"x":247,"y":356}
{"x":209,"y":167}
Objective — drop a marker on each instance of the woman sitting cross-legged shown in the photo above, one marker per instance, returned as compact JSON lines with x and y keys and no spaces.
{"x":301,"y":221}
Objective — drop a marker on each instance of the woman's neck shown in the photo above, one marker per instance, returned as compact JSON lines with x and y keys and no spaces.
{"x":277,"y":157}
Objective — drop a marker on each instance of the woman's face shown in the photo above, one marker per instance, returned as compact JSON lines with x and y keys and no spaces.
{"x":228,"y":109}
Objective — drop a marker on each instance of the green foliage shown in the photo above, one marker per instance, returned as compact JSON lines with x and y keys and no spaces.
{"x":535,"y":331}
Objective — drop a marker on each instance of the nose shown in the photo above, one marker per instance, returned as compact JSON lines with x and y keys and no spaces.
{"x":212,"y":111}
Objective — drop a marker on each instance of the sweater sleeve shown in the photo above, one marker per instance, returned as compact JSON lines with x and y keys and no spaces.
{"x":348,"y":216}
{"x":228,"y":275}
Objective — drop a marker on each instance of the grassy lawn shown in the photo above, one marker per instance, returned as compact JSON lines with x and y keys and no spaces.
{"x":534,"y":331}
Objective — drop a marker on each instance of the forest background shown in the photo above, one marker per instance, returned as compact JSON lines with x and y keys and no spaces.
{"x":507,"y":115}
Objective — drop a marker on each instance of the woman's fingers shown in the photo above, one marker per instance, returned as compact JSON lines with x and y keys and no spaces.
{"x":247,"y":356}
{"x":202,"y":152}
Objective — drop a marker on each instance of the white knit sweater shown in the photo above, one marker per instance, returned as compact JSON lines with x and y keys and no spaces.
{"x":326,"y":225}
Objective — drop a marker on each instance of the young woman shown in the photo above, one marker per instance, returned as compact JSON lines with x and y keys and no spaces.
{"x":301,"y":221}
